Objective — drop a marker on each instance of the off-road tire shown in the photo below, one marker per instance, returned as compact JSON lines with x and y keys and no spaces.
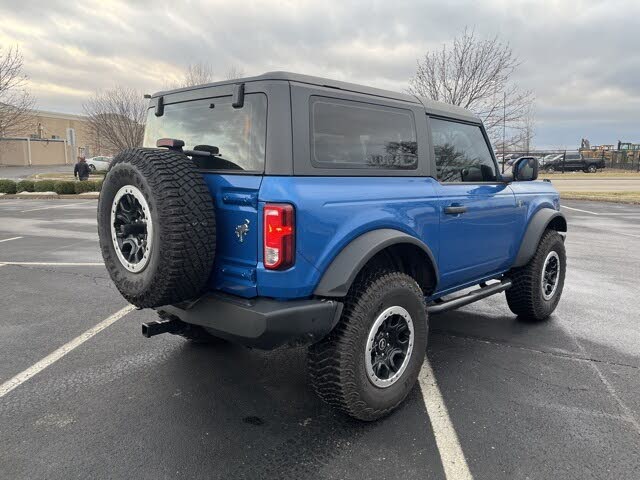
{"x":525,"y":297}
{"x":184,"y":228}
{"x":336,"y":364}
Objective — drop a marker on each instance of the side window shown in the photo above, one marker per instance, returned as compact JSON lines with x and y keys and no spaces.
{"x":462,"y":154}
{"x":348,"y":134}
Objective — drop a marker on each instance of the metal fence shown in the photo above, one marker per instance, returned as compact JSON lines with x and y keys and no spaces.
{"x":613,"y":159}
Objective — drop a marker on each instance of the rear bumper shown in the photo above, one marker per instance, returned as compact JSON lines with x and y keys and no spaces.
{"x":260,"y":322}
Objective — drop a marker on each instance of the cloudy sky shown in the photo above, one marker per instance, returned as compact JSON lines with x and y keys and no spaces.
{"x":580,"y":58}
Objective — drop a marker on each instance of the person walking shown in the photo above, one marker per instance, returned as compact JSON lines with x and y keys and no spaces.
{"x":81,"y":170}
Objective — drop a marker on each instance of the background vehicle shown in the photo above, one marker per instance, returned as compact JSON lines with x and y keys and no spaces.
{"x":511,"y":161}
{"x":550,"y":158}
{"x":340,"y":220}
{"x":99,"y":164}
{"x":573,"y":162}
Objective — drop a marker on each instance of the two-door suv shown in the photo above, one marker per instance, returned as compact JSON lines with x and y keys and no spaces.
{"x":289,"y":210}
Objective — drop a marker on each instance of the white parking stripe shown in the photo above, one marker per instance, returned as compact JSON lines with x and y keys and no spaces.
{"x":627,"y":234}
{"x":9,"y":239}
{"x":453,"y":461}
{"x":580,"y":210}
{"x":55,"y":264}
{"x":53,"y":357}
{"x":53,"y":206}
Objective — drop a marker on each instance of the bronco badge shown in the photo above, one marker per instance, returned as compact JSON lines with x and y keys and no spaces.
{"x":242,"y":230}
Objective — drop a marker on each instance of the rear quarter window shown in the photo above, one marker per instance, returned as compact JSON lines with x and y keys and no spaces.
{"x":348,"y":134}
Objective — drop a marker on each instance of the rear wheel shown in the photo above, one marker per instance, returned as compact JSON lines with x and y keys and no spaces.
{"x":538,"y":285}
{"x":369,"y":363}
{"x":592,"y":168}
{"x":157,"y":227}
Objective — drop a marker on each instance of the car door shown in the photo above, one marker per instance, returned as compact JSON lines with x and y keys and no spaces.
{"x":478,"y":213}
{"x":572,"y":161}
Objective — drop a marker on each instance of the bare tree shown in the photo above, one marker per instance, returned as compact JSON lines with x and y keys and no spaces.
{"x":15,"y":101}
{"x":527,"y":130}
{"x":198,"y":74}
{"x":116,"y":118}
{"x":201,"y":73}
{"x":234,"y":72}
{"x":475,"y":74}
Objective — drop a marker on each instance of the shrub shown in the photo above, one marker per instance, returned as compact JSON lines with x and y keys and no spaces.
{"x":99,"y":185}
{"x":25,"y":186}
{"x":65,"y":187}
{"x":45,"y":186}
{"x":7,"y":186}
{"x":85,"y":186}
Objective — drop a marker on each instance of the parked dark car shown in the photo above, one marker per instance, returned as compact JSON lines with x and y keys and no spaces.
{"x":573,"y":162}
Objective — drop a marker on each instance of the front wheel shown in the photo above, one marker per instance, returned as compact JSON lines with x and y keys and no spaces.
{"x":537,"y":286}
{"x":370,"y":361}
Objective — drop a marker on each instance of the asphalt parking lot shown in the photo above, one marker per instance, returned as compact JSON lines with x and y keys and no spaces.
{"x":526,"y":401}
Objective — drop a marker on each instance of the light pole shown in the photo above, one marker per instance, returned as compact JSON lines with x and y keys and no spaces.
{"x":504,"y":126}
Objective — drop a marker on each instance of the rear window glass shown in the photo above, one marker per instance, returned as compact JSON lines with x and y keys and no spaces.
{"x":346,"y":134}
{"x":239,"y":133}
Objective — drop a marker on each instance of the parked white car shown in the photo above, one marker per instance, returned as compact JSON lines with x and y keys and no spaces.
{"x":99,"y":164}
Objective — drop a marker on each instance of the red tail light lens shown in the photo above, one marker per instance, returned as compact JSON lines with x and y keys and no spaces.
{"x":279,"y":236}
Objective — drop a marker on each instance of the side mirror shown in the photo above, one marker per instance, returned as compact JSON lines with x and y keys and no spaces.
{"x":525,"y":169}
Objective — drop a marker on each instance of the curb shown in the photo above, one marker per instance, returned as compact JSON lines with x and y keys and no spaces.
{"x":82,"y":196}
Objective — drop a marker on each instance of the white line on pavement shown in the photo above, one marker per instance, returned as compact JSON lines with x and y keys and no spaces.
{"x":627,"y":234}
{"x":53,"y":357}
{"x":579,"y":210}
{"x":53,"y":206}
{"x":55,"y":264}
{"x":9,"y":239}
{"x":453,"y":461}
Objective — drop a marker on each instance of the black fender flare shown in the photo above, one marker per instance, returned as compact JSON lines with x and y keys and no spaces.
{"x":342,"y":271}
{"x":537,"y":225}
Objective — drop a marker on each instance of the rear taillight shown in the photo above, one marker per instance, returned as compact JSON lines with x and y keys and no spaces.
{"x":279,"y":236}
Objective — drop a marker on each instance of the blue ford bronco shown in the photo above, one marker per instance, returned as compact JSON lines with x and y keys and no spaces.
{"x":289,"y":210}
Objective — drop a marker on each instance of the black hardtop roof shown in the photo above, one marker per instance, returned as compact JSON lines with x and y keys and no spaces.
{"x":431,"y":106}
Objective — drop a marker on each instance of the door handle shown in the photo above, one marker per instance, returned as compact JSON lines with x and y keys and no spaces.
{"x":455,"y":209}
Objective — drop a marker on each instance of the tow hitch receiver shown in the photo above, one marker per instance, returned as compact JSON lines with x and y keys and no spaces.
{"x":172,"y":325}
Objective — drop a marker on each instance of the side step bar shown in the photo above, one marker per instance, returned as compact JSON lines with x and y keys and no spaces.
{"x":483,"y":292}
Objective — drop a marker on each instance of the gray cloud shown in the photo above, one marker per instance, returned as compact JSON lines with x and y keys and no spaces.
{"x":581,"y":59}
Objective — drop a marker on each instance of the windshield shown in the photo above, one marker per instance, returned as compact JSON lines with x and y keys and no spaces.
{"x":239,"y":133}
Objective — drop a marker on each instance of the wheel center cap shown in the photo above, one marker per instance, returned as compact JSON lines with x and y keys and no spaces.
{"x":382,"y":344}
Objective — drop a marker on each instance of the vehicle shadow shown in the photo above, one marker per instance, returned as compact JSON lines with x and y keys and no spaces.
{"x":240,"y":413}
{"x":261,"y":403}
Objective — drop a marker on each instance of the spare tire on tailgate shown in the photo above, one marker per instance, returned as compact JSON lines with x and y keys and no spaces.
{"x":157,"y":229}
